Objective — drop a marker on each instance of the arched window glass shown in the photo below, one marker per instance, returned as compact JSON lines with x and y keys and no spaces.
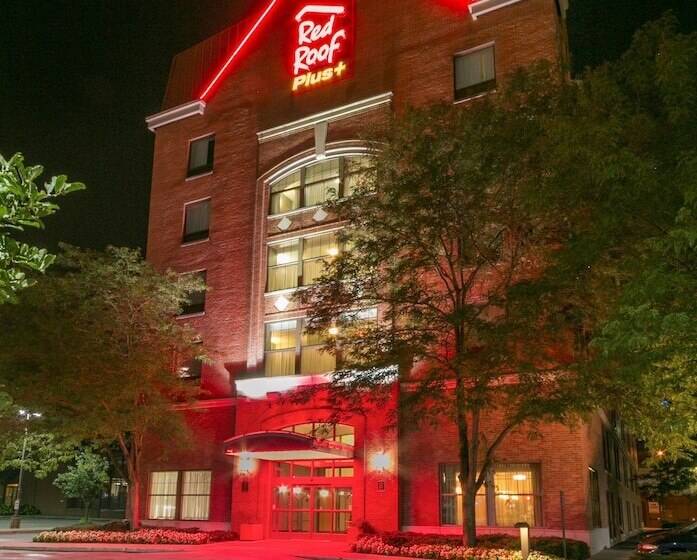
{"x":342,"y":433}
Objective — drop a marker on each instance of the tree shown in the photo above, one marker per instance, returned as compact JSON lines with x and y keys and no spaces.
{"x":24,"y":205}
{"x":627,"y":165}
{"x":448,"y":235}
{"x":45,"y":453}
{"x":665,"y":477}
{"x":85,"y":479}
{"x":99,"y":336}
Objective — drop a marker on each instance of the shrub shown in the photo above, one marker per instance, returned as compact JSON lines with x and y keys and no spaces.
{"x":140,"y":536}
{"x":443,"y":551}
{"x":28,"y":509}
{"x":5,"y":509}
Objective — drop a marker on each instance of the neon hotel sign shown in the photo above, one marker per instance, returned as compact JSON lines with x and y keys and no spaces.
{"x":322,"y":39}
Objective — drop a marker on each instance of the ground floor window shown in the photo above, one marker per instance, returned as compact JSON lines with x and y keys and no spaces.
{"x":180,"y":495}
{"x":510,"y":494}
{"x":594,"y":495}
{"x":10,"y":494}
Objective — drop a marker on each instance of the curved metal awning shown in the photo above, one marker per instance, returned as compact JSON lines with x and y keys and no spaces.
{"x":286,"y":446}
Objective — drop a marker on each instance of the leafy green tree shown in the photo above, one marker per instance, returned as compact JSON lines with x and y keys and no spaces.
{"x":45,"y":453}
{"x":99,"y":337}
{"x":626,"y":163}
{"x":448,"y":237}
{"x":85,"y":479}
{"x":665,"y":477}
{"x":24,"y":205}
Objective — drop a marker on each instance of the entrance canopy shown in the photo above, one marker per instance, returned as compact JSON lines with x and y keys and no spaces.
{"x":286,"y":446}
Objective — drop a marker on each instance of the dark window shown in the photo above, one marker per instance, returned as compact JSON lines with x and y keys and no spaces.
{"x":197,"y":300}
{"x":196,"y":218}
{"x":475,"y":72}
{"x":201,"y":155}
{"x":594,"y":491}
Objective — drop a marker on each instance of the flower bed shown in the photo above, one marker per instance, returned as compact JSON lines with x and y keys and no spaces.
{"x":548,"y":546}
{"x":140,"y":536}
{"x":375,"y":544}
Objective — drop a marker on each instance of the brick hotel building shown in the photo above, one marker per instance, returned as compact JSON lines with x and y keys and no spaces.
{"x":259,"y":123}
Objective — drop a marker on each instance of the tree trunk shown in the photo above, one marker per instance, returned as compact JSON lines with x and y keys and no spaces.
{"x":469,"y":533}
{"x":133,"y":505}
{"x":86,"y":503}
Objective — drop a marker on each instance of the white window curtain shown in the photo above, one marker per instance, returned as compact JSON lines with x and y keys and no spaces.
{"x":474,"y":68}
{"x":163,"y":494}
{"x":197,"y":217}
{"x":196,"y":494}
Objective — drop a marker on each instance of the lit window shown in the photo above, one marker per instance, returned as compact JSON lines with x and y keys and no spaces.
{"x":451,"y":498}
{"x":281,"y":348}
{"x":286,"y":343}
{"x":196,"y":495}
{"x":475,"y":72}
{"x":201,"y":155}
{"x":516,"y":494}
{"x":317,"y":184}
{"x":299,"y":262}
{"x":163,"y":495}
{"x":197,"y":300}
{"x":196,"y":219}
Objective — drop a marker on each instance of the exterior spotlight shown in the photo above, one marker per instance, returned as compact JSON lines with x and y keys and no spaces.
{"x":381,"y":461}
{"x":245,"y":465}
{"x":524,"y":539}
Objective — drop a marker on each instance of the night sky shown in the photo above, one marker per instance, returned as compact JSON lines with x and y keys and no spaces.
{"x":77,"y":79}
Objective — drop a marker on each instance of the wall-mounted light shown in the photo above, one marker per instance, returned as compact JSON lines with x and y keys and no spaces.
{"x":245,"y":464}
{"x":381,"y":461}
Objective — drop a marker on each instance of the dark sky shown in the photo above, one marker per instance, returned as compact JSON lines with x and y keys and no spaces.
{"x":77,"y":79}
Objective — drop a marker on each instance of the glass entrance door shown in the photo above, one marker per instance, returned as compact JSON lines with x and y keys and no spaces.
{"x":302,"y":509}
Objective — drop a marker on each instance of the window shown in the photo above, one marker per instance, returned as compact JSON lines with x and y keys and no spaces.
{"x":594,"y":495}
{"x":197,"y":300}
{"x":185,"y":497}
{"x":290,"y":350}
{"x":324,"y":430}
{"x":201,"y":155}
{"x":299,"y":262}
{"x":196,"y":495}
{"x":196,"y":219}
{"x":318,"y":183}
{"x":516,"y":498}
{"x":115,"y":495}
{"x":451,"y":498}
{"x":163,"y":495}
{"x":475,"y":72}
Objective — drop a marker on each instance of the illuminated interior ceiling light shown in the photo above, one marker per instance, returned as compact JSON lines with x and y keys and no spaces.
{"x":224,"y":69}
{"x":281,"y":303}
{"x":333,"y":251}
{"x":333,"y":331}
{"x":283,"y":489}
{"x":458,"y":490}
{"x":324,"y":493}
{"x":520,"y":476}
{"x":297,"y":490}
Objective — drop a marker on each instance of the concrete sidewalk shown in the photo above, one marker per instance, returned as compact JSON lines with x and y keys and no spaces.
{"x":35,"y":524}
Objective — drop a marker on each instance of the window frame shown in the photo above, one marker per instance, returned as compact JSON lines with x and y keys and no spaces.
{"x":179,"y":495}
{"x":490,"y":493}
{"x":341,"y":192}
{"x":300,"y":263}
{"x":196,"y":237}
{"x":300,"y":323}
{"x":192,"y":173}
{"x":480,"y":88}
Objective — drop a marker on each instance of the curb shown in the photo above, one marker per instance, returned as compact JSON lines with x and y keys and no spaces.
{"x":20,"y":531}
{"x":48,"y":548}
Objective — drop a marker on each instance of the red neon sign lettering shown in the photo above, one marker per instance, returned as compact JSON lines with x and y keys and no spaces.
{"x":322,"y":37}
